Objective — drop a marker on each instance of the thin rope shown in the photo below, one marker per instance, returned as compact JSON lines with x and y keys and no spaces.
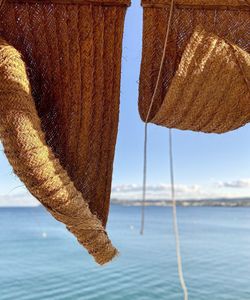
{"x":144,"y":184}
{"x":175,"y":222}
{"x":144,"y":178}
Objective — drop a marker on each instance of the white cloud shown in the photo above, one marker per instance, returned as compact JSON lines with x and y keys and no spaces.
{"x":210,"y":190}
{"x":241,"y":183}
{"x":158,"y":191}
{"x":21,"y":199}
{"x":221,"y":189}
{"x":126,"y":188}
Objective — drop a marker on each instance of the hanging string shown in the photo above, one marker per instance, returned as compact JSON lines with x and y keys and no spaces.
{"x":144,"y":183}
{"x":175,"y":222}
{"x":144,"y":178}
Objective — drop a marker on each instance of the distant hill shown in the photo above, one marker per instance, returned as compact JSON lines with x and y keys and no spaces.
{"x":223,"y":202}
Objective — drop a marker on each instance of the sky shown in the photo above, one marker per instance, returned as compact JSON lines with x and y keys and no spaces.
{"x":205,"y":165}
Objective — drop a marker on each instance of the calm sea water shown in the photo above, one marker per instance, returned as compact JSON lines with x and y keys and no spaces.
{"x":39,"y":259}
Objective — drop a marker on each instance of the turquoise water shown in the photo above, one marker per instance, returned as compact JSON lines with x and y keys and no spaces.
{"x":40,"y":260}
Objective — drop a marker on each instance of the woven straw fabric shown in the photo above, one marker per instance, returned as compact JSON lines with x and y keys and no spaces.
{"x":1,"y":4}
{"x":232,"y":24}
{"x":203,"y":4}
{"x":73,"y":58}
{"x":210,"y":91}
{"x":35,"y":163}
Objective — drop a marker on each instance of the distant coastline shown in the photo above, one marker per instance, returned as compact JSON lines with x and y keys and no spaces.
{"x":218,"y":202}
{"x":222,"y":202}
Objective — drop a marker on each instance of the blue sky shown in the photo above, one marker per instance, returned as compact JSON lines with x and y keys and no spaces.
{"x":206,"y":166}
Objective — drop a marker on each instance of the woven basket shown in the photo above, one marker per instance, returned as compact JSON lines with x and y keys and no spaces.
{"x":199,"y":89}
{"x":72,"y":50}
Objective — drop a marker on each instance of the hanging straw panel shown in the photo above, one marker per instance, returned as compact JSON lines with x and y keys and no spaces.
{"x":214,"y":105}
{"x":73,"y":54}
{"x":35,"y":163}
{"x":210,"y":90}
{"x":72,"y":51}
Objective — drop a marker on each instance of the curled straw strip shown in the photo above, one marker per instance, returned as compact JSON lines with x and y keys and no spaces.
{"x":210,"y":89}
{"x":34,"y":162}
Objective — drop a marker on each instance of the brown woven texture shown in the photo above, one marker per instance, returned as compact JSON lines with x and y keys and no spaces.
{"x":81,"y":2}
{"x":210,"y":91}
{"x":73,"y":57}
{"x":35,"y":163}
{"x":194,"y":95}
{"x":198,"y":3}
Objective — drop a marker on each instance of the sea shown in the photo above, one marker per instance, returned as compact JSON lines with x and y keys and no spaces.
{"x":40,"y":259}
